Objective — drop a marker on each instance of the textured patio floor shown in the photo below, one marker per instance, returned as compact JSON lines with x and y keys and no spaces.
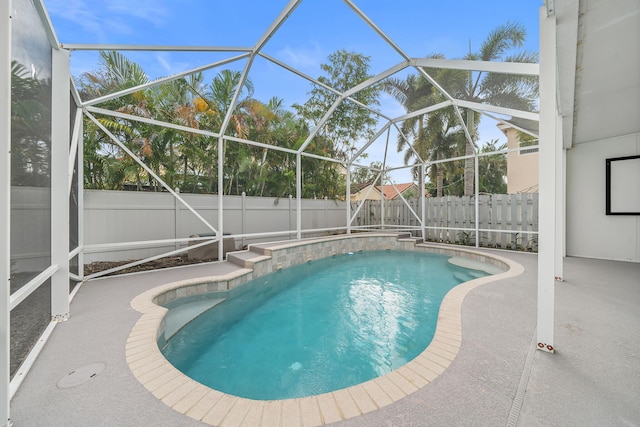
{"x":496,"y":379}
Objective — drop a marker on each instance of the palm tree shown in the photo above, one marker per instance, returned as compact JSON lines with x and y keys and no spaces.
{"x":493,"y":169}
{"x":517,"y":92}
{"x":443,"y":136}
{"x":117,"y":73}
{"x":433,"y":136}
{"x":30,"y":128}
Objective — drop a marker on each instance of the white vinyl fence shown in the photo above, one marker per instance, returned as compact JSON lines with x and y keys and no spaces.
{"x":124,"y":216}
{"x":505,"y":220}
{"x":127,"y":216}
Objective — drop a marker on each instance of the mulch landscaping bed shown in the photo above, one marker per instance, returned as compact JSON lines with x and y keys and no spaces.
{"x":167,"y":262}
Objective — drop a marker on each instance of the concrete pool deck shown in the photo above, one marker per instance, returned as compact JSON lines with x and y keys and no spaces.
{"x":495,"y":379}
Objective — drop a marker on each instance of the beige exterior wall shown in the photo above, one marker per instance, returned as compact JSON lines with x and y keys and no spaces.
{"x":362,"y":194}
{"x":522,"y":168}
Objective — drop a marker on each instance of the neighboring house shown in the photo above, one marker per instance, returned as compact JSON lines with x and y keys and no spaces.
{"x":389,"y":192}
{"x":522,"y":166}
{"x":365,"y":192}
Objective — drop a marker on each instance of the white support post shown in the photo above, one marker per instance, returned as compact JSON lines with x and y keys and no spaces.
{"x":220,"y":198}
{"x":548,"y":183}
{"x":476,"y":195}
{"x":244,"y":218}
{"x":348,"y":198}
{"x":80,"y":173}
{"x":176,"y":220}
{"x":423,"y":202}
{"x":5,"y":205}
{"x":60,"y":119}
{"x":298,"y":196}
{"x":560,"y":197}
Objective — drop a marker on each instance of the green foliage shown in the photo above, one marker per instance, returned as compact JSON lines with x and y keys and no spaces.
{"x":30,"y":128}
{"x":349,"y":122}
{"x":428,"y":137}
{"x":188,"y":160}
{"x":368,"y":175}
{"x":492,"y":169}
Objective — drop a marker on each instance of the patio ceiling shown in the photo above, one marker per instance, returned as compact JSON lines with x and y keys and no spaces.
{"x":599,"y":82}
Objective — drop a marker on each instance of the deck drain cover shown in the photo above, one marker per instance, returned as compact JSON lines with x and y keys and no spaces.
{"x":81,"y":375}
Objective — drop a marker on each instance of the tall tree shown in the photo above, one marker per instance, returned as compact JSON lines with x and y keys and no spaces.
{"x":368,"y":175}
{"x":517,"y":92}
{"x":116,"y":73}
{"x":349,"y":122}
{"x":30,"y":128}
{"x":492,"y":169}
{"x":433,"y":136}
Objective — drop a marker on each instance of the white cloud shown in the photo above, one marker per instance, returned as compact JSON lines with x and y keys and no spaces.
{"x":152,"y":11}
{"x":303,"y":58}
{"x":113,"y":18}
{"x":171,"y":65}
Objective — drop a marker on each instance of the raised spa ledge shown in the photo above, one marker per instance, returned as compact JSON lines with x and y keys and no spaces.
{"x":201,"y":285}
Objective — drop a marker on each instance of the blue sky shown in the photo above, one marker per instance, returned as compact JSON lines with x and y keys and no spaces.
{"x":314,"y":30}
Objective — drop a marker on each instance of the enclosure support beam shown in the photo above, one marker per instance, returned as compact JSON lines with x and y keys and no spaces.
{"x":5,"y":204}
{"x":80,"y":173}
{"x":298,"y":196}
{"x":423,"y":201}
{"x":476,"y":194}
{"x":548,"y":179}
{"x":560,"y":201}
{"x":220,"y":198}
{"x":60,"y":117}
{"x":348,"y":198}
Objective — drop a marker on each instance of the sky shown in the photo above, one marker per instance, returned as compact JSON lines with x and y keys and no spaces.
{"x":314,"y":30}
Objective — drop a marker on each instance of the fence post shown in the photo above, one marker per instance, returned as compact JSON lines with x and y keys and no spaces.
{"x":476,"y":195}
{"x":290,"y":214}
{"x":243,"y":218}
{"x":176,"y":218}
{"x":326,"y":212}
{"x":513,"y":200}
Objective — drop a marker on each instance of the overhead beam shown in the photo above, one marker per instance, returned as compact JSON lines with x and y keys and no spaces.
{"x":476,"y":106}
{"x":516,"y":68}
{"x":375,"y":79}
{"x":46,"y":24}
{"x":282,"y":17}
{"x":153,"y":48}
{"x":163,"y":80}
{"x":425,"y":110}
{"x":322,"y":85}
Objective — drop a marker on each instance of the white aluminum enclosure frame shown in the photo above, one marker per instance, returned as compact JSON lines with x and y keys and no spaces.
{"x":5,"y":206}
{"x":64,"y":156}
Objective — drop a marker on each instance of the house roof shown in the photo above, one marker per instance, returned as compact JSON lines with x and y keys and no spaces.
{"x":355,"y":188}
{"x":389,"y":191}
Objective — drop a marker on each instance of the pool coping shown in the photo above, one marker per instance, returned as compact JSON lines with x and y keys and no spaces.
{"x":213,"y":407}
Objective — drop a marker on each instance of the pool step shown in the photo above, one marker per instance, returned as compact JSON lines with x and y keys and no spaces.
{"x":182,"y":314}
{"x":409,"y":238}
{"x":246,"y":258}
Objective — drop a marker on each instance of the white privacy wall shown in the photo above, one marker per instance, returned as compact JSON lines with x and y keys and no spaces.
{"x":129,"y":216}
{"x":590,"y":232}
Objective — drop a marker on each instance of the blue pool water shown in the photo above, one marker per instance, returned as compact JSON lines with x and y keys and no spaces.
{"x":318,"y":327}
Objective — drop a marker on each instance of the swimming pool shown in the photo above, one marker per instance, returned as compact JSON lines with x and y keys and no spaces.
{"x":210,"y":406}
{"x":317,"y":327}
